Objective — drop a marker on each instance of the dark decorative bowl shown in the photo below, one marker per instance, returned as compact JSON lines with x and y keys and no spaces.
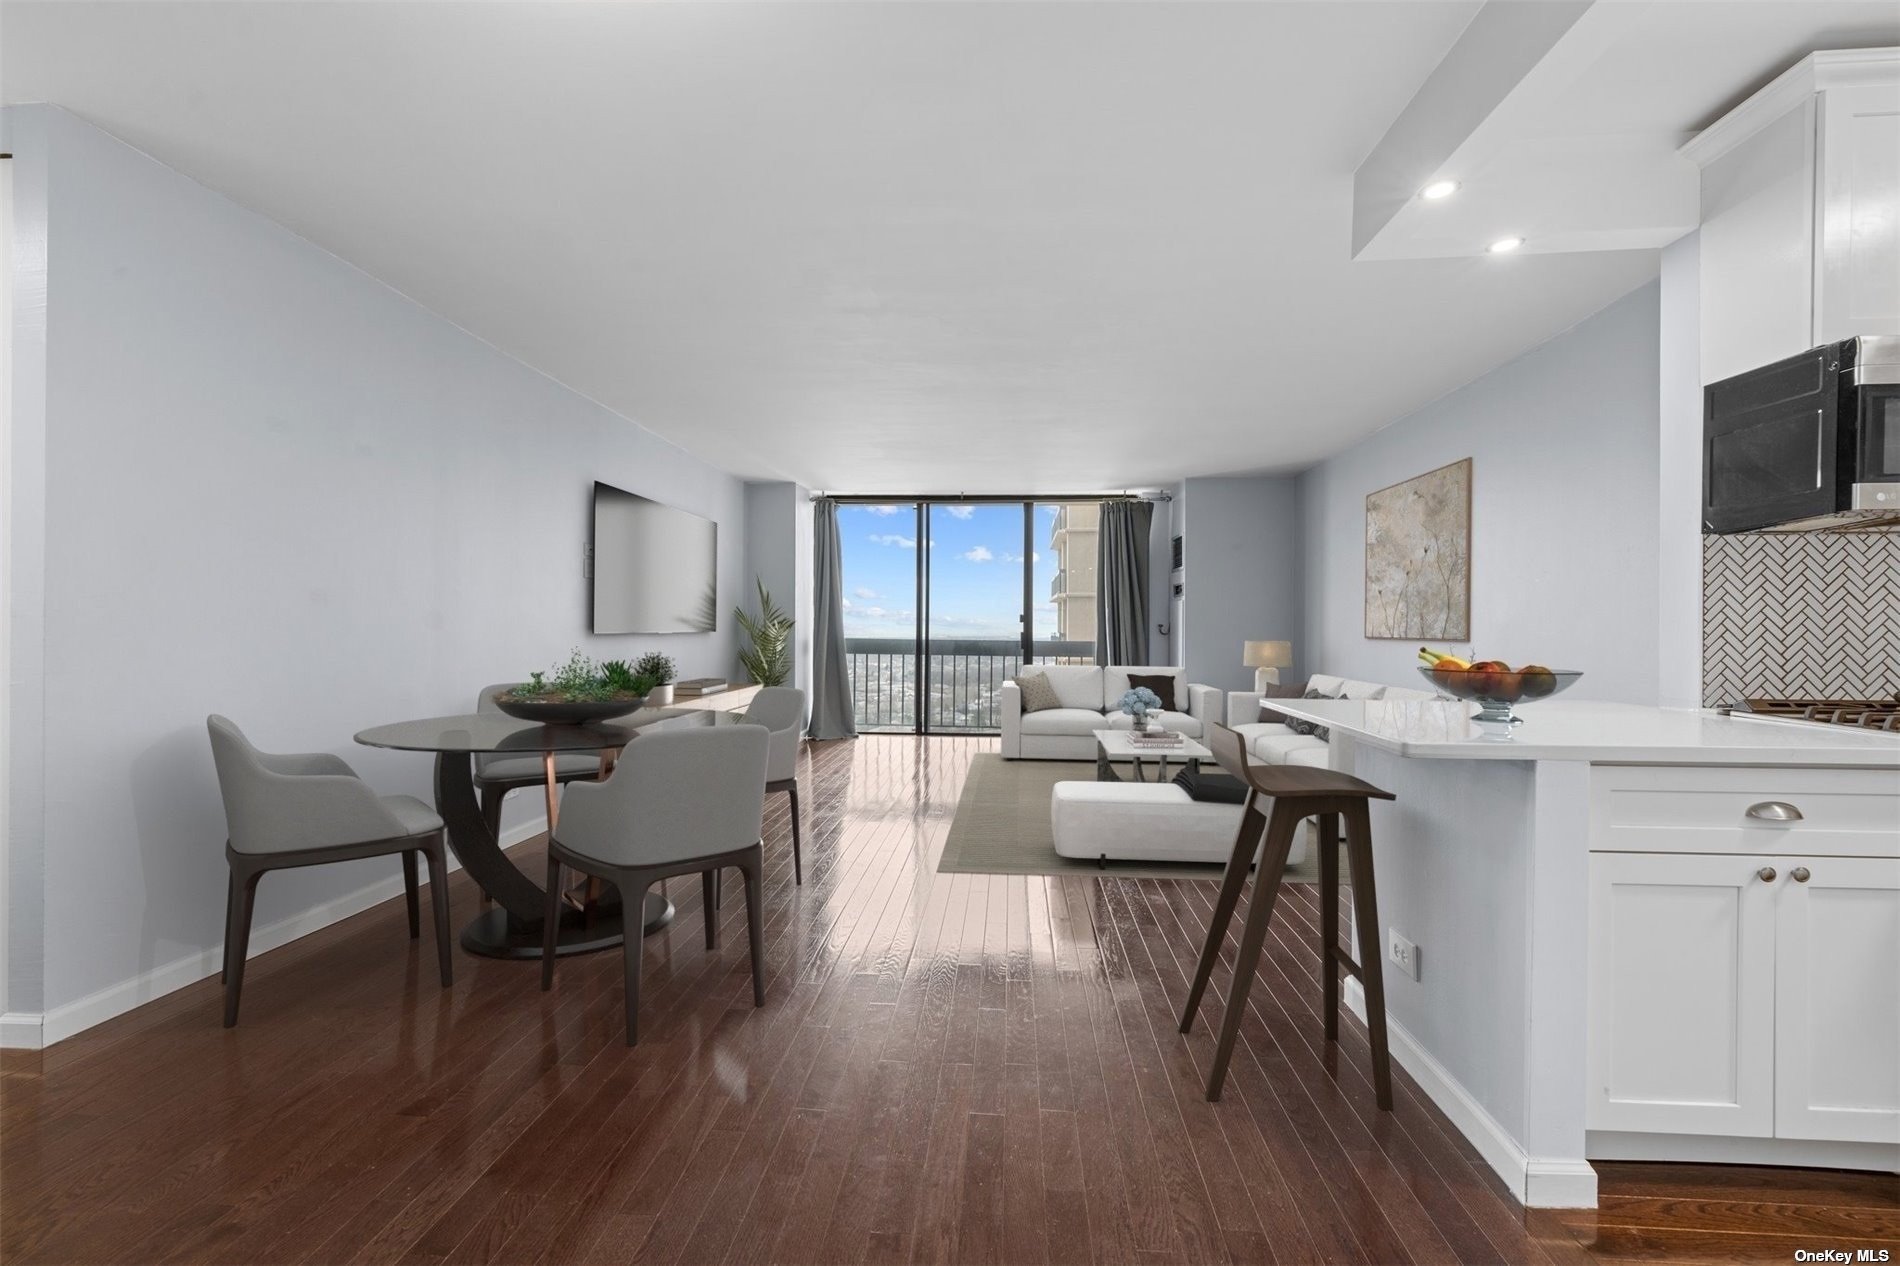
{"x":1495,"y":692}
{"x":564,"y":712}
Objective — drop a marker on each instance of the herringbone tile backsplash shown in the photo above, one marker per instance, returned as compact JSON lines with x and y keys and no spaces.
{"x":1800,"y":615}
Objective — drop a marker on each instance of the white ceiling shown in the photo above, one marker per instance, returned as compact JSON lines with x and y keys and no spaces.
{"x":879,"y":247}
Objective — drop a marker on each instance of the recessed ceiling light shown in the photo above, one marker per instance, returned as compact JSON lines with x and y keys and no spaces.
{"x":1439,"y":189}
{"x":1505,"y":245}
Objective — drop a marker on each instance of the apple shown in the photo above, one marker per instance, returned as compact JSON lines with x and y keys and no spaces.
{"x":1484,"y":676}
{"x":1538,"y":681}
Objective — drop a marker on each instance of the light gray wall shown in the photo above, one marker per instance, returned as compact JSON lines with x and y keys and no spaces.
{"x":1679,"y":476}
{"x":279,"y":490}
{"x":778,"y":517}
{"x":1241,"y":571}
{"x":1563,"y":509}
{"x":22,"y":570}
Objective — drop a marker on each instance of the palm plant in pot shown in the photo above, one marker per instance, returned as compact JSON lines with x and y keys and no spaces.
{"x":768,"y":660}
{"x":661,"y":670}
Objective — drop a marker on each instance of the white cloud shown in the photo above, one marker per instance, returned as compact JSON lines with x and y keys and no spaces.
{"x":961,"y":512}
{"x":978,"y":554}
{"x":885,"y":510}
{"x":866,"y":594}
{"x":892,"y":538}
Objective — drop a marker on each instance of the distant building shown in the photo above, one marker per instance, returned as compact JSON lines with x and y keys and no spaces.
{"x":1072,"y":538}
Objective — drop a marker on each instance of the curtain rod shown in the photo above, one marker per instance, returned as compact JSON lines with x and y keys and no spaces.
{"x":1124,"y":495}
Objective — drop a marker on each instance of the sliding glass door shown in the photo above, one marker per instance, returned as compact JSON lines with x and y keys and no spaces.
{"x":946,"y":600}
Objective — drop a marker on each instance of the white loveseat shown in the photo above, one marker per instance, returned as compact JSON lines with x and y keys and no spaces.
{"x":1271,"y":743}
{"x":1091,"y":699}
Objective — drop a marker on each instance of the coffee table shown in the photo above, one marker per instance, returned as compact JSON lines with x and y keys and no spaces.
{"x":1112,"y":746}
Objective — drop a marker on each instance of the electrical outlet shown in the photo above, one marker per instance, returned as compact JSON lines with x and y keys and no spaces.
{"x":1403,"y":953}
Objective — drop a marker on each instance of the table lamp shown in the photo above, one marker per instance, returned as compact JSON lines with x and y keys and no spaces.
{"x":1267,"y":659}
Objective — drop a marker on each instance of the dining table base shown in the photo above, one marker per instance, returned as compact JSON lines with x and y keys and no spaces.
{"x":497,"y":934}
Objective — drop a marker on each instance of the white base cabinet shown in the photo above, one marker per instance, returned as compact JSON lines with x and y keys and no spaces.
{"x":1682,"y":994}
{"x":1837,"y":1001}
{"x":1752,"y":993}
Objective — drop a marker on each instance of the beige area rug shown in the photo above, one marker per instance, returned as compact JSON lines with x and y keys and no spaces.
{"x":1002,"y":828}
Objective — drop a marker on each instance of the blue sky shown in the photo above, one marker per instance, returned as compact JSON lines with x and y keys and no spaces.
{"x":976,"y":570}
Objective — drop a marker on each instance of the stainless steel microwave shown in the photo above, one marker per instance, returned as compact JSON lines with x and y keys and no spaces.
{"x":1810,"y":443}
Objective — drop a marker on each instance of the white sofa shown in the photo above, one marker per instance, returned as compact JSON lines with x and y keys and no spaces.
{"x":1273,"y":744}
{"x":1091,"y":697}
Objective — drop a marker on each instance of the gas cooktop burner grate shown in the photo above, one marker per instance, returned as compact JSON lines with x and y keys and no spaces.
{"x":1871,"y":714}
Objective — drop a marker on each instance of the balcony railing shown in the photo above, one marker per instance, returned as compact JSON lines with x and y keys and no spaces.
{"x":961,"y":679}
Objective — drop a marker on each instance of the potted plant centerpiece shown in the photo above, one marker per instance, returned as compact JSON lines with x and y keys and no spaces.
{"x":577,"y":692}
{"x":661,"y":670}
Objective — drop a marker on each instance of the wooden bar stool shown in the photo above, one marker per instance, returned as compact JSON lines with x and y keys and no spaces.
{"x":1298,"y":792}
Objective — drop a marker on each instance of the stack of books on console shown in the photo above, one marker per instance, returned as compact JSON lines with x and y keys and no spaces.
{"x":696,"y":686}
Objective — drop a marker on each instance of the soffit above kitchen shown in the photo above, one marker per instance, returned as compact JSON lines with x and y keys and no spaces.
{"x":1561,"y":123}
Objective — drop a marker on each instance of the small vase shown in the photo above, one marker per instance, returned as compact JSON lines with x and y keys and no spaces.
{"x":661,"y":696}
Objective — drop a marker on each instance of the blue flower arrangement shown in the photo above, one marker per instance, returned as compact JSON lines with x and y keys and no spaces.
{"x":1139,"y":702}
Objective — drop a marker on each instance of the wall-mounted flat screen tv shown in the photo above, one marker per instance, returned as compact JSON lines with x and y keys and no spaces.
{"x":656,"y":569}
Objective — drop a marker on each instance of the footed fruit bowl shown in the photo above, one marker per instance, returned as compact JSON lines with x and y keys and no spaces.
{"x":1497,"y":687}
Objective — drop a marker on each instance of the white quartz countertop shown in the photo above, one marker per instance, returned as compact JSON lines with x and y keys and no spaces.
{"x":1610,"y":733}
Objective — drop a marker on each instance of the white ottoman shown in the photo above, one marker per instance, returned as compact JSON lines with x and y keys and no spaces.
{"x":1148,"y":822}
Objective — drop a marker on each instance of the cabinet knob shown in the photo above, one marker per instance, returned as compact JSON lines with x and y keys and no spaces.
{"x":1799,"y":874}
{"x":1766,"y":874}
{"x":1774,"y":811}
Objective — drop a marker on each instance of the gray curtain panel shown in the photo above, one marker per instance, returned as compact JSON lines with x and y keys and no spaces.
{"x":1121,"y":584}
{"x":832,"y":716}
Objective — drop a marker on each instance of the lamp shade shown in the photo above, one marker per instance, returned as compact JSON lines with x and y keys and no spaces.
{"x":1268,"y":655}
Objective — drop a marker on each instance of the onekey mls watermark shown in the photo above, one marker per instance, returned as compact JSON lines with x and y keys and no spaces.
{"x":1842,"y":1255}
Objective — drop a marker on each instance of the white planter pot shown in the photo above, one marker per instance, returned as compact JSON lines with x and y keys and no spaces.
{"x":660,"y":696}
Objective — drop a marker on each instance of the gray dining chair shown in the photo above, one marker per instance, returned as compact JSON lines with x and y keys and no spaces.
{"x":307,"y":810}
{"x":781,"y":709}
{"x":678,"y":802}
{"x":497,"y":774}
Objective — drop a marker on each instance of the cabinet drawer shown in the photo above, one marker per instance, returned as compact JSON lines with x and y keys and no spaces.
{"x":1674,"y":809}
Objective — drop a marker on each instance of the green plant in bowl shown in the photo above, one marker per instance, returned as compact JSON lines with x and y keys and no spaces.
{"x":576,"y":692}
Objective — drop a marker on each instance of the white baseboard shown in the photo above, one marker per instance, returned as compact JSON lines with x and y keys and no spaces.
{"x":1537,"y":1182}
{"x":22,"y":1031}
{"x":32,"y":1031}
{"x":1723,"y":1150}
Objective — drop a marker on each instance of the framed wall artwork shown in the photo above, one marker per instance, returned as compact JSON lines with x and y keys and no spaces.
{"x":1418,"y":557}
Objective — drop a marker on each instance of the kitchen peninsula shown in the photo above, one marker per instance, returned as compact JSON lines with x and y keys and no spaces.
{"x":1642,"y":933}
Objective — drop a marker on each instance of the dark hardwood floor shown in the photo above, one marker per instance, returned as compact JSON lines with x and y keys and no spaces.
{"x":948,"y":1068}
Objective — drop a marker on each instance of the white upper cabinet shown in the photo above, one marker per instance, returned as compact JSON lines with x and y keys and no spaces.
{"x":1800,"y":235}
{"x":1857,"y":286}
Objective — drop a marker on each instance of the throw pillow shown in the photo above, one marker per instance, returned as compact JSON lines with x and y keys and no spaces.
{"x":1161,"y":683}
{"x":1211,"y":788}
{"x":1039,"y":695}
{"x":1279,"y":690}
{"x":1300,"y":726}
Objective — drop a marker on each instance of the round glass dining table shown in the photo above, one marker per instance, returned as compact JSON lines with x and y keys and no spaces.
{"x":513,"y":928}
